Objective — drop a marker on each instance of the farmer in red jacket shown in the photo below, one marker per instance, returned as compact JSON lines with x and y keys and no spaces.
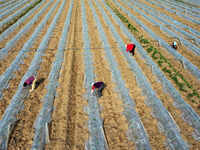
{"x":30,"y":82}
{"x":130,"y":48}
{"x":97,"y":88}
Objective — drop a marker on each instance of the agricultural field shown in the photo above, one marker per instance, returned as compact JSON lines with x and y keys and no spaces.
{"x":151,"y":100}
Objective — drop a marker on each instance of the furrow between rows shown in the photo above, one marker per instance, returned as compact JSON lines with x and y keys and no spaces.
{"x":10,"y":117}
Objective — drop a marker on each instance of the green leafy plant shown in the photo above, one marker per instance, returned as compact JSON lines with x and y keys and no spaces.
{"x":171,"y":72}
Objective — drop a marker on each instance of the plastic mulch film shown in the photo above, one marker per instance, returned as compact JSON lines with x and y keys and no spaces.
{"x":9,"y":7}
{"x":190,"y":12}
{"x":4,"y":51}
{"x":11,"y":10}
{"x":136,"y":131}
{"x":6,"y":4}
{"x":192,"y":68}
{"x":16,"y":105}
{"x":187,"y":43}
{"x":7,"y":75}
{"x":177,"y":13}
{"x":97,"y":139}
{"x":175,"y":22}
{"x":188,"y":114}
{"x":182,"y":9}
{"x":160,"y":112}
{"x":17,"y":13}
{"x":20,"y":21}
{"x":44,"y":118}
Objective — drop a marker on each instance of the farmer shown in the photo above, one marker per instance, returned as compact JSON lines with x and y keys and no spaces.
{"x":130,"y":48}
{"x":30,"y":82}
{"x":97,"y":88}
{"x":174,"y":45}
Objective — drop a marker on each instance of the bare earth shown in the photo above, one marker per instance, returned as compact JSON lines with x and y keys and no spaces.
{"x":68,"y":129}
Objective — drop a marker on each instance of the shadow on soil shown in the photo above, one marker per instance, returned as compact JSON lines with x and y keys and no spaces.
{"x":38,"y":82}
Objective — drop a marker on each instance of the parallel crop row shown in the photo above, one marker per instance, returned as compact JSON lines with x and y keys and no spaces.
{"x":182,"y":4}
{"x":95,"y":123}
{"x":9,"y":118}
{"x":189,"y":114}
{"x":19,"y":22}
{"x":187,"y":64}
{"x":177,"y":77}
{"x":7,"y":75}
{"x":44,"y":117}
{"x":191,"y":46}
{"x":136,"y":128}
{"x":161,"y":114}
{"x":13,"y":8}
{"x":180,"y":8}
{"x":6,"y":3}
{"x":9,"y":6}
{"x":191,"y":4}
{"x":20,"y":13}
{"x":172,"y":11}
{"x":166,"y":19}
{"x":160,"y":66}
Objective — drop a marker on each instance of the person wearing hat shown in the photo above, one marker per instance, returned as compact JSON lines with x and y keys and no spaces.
{"x":97,"y":88}
{"x":130,"y":48}
{"x":174,"y":45}
{"x":30,"y":82}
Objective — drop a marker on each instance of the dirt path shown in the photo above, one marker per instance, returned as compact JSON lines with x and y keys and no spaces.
{"x":174,"y":16}
{"x":69,"y":121}
{"x":167,"y":102}
{"x":18,"y":8}
{"x":186,"y":130}
{"x":158,"y":9}
{"x":183,"y":50}
{"x":13,"y":84}
{"x":115,"y":123}
{"x":4,"y":64}
{"x":155,"y":137}
{"x":176,"y":64}
{"x":24,"y":132}
{"x":69,"y":126}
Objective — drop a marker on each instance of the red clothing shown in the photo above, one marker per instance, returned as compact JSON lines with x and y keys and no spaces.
{"x":30,"y":80}
{"x":130,"y":47}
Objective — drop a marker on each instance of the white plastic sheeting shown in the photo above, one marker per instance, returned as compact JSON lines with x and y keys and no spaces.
{"x":9,"y":117}
{"x":43,"y":119}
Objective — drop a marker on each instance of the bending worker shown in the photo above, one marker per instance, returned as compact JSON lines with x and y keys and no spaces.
{"x":97,"y":88}
{"x":30,"y":82}
{"x":130,"y":48}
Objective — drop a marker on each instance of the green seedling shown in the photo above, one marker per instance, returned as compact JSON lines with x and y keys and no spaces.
{"x":132,"y":28}
{"x":170,"y":70}
{"x":154,"y":54}
{"x":161,"y":60}
{"x":150,"y":49}
{"x":144,"y":41}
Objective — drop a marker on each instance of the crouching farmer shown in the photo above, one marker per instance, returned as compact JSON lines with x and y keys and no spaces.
{"x":97,"y":88}
{"x":174,"y":45}
{"x":130,"y":48}
{"x":30,"y":82}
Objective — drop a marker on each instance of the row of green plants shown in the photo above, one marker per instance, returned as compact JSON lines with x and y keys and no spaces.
{"x":14,"y":20}
{"x":161,"y":60}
